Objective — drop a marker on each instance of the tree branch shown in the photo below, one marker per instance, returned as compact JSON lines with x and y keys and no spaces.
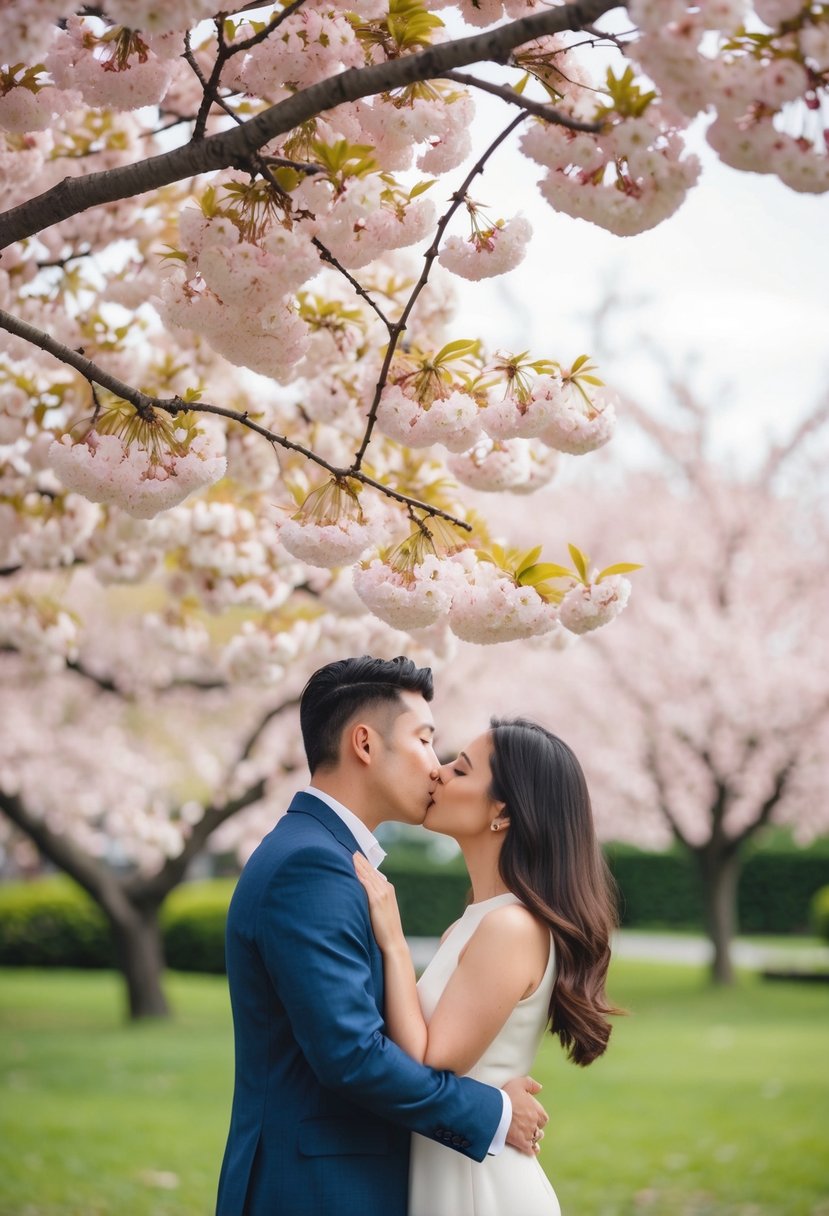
{"x":429,"y":257}
{"x":327,"y":256}
{"x":175,"y":405}
{"x":62,"y":851}
{"x":158,"y":885}
{"x":227,"y":148}
{"x":538,"y":108}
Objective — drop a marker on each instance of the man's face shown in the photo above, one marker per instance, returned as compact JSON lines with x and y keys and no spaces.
{"x":405,"y":767}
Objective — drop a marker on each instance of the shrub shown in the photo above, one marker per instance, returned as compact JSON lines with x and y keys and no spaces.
{"x":52,"y":922}
{"x":658,"y":890}
{"x":193,"y":923}
{"x":430,"y":897}
{"x":820,"y":913}
{"x":776,"y":889}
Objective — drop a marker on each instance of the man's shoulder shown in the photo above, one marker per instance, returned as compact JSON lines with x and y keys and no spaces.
{"x":296,"y":839}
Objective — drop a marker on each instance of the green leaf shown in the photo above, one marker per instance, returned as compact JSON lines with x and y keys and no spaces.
{"x":421,"y":187}
{"x":618,"y":568}
{"x":542,"y":571}
{"x":553,"y":595}
{"x":522,"y":83}
{"x":580,"y":362}
{"x":529,"y":559}
{"x":580,"y":561}
{"x":460,"y":349}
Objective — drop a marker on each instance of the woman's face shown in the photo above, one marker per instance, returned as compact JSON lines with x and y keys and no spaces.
{"x":461,"y":806}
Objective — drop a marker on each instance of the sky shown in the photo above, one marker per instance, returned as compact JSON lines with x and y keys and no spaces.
{"x":735,"y":282}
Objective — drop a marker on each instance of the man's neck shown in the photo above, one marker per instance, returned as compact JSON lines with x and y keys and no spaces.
{"x":345,"y":792}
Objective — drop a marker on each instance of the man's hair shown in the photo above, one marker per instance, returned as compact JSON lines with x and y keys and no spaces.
{"x":338,"y":691}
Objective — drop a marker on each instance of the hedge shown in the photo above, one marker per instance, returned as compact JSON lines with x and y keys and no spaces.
{"x":820,"y":913}
{"x":52,"y":922}
{"x":774,"y":895}
{"x":193,"y":925}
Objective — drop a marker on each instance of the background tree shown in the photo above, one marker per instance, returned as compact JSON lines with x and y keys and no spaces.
{"x":706,"y":718}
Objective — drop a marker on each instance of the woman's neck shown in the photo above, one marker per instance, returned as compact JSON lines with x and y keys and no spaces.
{"x":482,"y":865}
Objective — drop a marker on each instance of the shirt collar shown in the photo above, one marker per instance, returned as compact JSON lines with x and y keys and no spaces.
{"x":365,"y":839}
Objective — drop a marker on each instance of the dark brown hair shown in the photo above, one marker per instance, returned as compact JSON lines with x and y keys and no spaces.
{"x":552,"y":861}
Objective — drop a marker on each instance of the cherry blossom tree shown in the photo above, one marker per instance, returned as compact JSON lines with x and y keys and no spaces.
{"x":123,"y":765}
{"x":706,"y":716}
{"x":242,"y":428}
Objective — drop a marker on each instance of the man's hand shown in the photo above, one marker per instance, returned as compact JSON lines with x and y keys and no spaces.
{"x":528,"y":1115}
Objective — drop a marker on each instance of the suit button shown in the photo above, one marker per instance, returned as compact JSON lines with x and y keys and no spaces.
{"x":457,"y":1141}
{"x":464,"y":1144}
{"x":439,"y":1132}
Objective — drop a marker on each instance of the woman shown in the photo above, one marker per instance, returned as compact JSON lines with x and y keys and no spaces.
{"x":531,"y":949}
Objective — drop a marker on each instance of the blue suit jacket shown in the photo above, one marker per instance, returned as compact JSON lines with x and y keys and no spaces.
{"x":323,"y":1102}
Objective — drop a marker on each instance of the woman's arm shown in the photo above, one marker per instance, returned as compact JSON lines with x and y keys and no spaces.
{"x":503,"y":962}
{"x":404,"y":1020}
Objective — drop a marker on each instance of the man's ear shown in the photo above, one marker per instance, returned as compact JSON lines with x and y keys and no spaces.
{"x":361,"y":742}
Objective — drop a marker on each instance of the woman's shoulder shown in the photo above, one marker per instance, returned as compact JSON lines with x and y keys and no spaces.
{"x":513,"y":926}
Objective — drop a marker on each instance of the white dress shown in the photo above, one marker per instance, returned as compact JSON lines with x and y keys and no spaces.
{"x":443,"y":1182}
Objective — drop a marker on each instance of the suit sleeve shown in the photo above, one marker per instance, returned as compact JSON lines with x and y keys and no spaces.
{"x":313,"y":931}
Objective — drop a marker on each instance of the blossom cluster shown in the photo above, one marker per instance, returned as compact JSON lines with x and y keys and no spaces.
{"x":139,"y":479}
{"x":627,"y":178}
{"x":767,"y":88}
{"x":482,"y":601}
{"x":498,"y":420}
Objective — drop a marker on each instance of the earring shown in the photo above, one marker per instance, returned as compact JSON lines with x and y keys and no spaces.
{"x":495,"y":827}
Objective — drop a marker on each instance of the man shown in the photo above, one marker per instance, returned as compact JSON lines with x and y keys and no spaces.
{"x":323,"y":1102}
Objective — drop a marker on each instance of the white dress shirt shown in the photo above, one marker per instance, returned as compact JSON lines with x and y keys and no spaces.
{"x":375,"y":853}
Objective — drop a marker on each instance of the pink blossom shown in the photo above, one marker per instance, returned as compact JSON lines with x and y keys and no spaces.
{"x":581,"y":423}
{"x":153,"y":17}
{"x":42,"y":631}
{"x":29,"y":27}
{"x":397,"y":126}
{"x":494,"y":609}
{"x":585,"y":608}
{"x":336,"y":544}
{"x":271,"y":342}
{"x":139,"y":79}
{"x":493,"y":465}
{"x":23,"y":110}
{"x":494,"y":252}
{"x":632,"y":177}
{"x":544,"y":463}
{"x":310,"y":45}
{"x":105,"y":469}
{"x":523,"y":416}
{"x":257,"y":655}
{"x":452,"y":420}
{"x":411,"y":600}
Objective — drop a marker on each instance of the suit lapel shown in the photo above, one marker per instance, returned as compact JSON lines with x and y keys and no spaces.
{"x":307,"y":804}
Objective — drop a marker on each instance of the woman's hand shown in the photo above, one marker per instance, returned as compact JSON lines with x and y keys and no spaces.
{"x":382,"y":904}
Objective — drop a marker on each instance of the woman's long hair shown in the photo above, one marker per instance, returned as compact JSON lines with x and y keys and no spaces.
{"x":552,"y":861}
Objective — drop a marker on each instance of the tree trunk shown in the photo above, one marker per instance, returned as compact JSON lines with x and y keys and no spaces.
{"x":720,"y":872}
{"x":140,"y":954}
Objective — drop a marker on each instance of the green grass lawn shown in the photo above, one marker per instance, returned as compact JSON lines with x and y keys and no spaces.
{"x":709,"y":1103}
